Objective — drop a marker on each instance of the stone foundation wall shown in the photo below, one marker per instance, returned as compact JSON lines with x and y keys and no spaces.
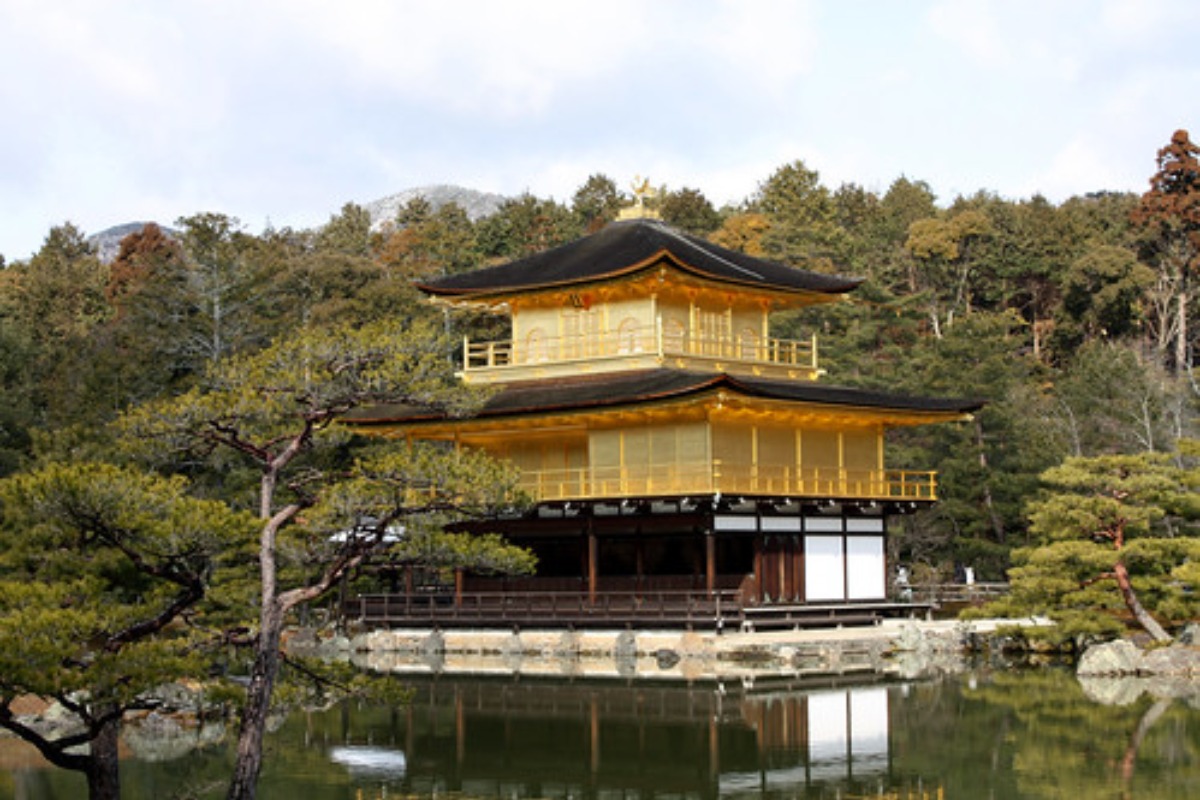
{"x":907,"y":648}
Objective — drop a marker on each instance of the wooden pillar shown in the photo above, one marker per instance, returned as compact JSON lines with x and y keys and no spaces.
{"x":639,"y":555}
{"x":458,"y":587}
{"x":592,"y":556}
{"x":758,"y":565}
{"x":798,"y":567}
{"x":710,"y":561}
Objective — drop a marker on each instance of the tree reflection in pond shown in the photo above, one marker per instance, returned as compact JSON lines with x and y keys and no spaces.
{"x":1032,"y":734}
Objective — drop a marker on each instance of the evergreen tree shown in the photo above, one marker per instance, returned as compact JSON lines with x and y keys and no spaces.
{"x":1113,"y":534}
{"x":689,"y":211}
{"x":1170,"y":210}
{"x":221,"y":296}
{"x":56,"y":300}
{"x":804,"y":230}
{"x":278,"y":410}
{"x":1103,"y":294}
{"x":99,"y":569}
{"x":596,"y":203}
{"x":526,"y":225}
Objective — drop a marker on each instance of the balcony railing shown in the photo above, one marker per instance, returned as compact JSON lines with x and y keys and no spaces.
{"x":674,"y":479}
{"x":647,"y":607}
{"x":641,"y":341}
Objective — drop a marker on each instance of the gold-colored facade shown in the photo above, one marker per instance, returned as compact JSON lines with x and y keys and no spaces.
{"x":668,"y":319}
{"x":698,"y":448}
{"x":711,"y":444}
{"x":655,"y":316}
{"x":670,"y":441}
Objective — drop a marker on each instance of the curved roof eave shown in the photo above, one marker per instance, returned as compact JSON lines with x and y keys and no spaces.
{"x":593,"y":393}
{"x":624,"y":248}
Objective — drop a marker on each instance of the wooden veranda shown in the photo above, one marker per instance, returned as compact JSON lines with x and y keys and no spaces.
{"x":720,"y":610}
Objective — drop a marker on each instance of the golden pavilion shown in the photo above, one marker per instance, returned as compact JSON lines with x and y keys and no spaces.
{"x":687,"y":467}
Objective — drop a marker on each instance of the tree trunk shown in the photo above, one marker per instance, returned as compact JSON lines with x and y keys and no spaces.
{"x":1149,"y":623}
{"x":989,"y":504}
{"x":103,"y":767}
{"x":1182,"y":363}
{"x":244,"y":784}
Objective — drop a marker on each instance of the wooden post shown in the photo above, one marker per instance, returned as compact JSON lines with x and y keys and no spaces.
{"x":458,"y":587}
{"x":758,"y":566}
{"x":592,"y":570}
{"x":798,"y":567}
{"x":639,"y":557}
{"x":710,"y":562}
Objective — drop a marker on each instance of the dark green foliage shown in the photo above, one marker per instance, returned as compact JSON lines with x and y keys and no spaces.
{"x":1102,"y":522}
{"x":804,"y":228}
{"x":1103,"y":293}
{"x":689,"y":211}
{"x":596,"y":203}
{"x":104,"y":577}
{"x":1066,"y":318}
{"x":524,"y":226}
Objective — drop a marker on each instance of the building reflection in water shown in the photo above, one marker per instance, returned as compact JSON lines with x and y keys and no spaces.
{"x":598,"y":739}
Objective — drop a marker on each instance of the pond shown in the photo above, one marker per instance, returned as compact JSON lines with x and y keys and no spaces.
{"x":983,"y":734}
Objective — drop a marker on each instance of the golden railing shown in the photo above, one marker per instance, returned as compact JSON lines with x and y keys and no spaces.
{"x":674,"y":479}
{"x":640,"y":341}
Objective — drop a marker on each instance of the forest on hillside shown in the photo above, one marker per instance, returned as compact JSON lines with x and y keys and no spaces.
{"x":1075,"y":321}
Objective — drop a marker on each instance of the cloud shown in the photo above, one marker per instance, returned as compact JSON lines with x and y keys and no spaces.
{"x":1080,"y":162}
{"x":770,"y":43}
{"x":973,"y":28}
{"x":489,"y":59}
{"x":1136,"y":21}
{"x":284,"y":109}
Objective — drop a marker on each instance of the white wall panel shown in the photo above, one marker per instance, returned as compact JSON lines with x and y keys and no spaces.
{"x":824,"y":568}
{"x":865,"y":568}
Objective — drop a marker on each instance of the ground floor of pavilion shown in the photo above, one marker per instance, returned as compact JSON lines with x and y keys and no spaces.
{"x":668,"y":563}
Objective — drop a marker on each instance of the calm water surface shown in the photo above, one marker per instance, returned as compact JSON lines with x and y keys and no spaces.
{"x":1027,"y":734}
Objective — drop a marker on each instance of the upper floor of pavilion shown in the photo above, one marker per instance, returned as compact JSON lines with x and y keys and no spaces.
{"x":639,"y":295}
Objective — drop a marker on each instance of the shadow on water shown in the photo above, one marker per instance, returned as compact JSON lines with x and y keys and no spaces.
{"x":986,"y":733}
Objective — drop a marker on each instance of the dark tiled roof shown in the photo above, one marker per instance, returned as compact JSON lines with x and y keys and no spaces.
{"x":625,"y":247}
{"x":627,"y":388}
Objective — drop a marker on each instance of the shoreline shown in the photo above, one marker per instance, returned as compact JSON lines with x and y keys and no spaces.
{"x":904,"y":648}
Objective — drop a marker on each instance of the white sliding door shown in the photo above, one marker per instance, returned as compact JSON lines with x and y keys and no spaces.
{"x":824,"y":568}
{"x":865,"y":571}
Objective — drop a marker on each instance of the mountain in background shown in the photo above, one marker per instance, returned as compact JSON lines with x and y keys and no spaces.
{"x":383,"y":211}
{"x":477,"y":204}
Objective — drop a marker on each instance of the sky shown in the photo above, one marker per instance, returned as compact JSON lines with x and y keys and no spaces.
{"x":278,"y":112}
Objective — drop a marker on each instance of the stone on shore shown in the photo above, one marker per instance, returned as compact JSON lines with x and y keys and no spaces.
{"x":1122,"y":657}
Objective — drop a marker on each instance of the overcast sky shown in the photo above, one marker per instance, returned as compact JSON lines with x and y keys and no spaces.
{"x":278,"y":112}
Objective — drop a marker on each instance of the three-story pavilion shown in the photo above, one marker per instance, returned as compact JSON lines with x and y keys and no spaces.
{"x":679,"y":454}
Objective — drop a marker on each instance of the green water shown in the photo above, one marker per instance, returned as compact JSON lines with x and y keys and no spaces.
{"x":1002,"y":734}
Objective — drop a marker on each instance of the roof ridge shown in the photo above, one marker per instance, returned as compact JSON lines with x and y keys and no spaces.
{"x":680,"y":237}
